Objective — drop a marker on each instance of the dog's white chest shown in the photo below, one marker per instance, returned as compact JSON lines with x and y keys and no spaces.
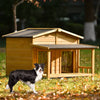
{"x":38,"y":77}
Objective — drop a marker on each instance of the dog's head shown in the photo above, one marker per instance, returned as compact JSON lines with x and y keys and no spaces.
{"x":39,"y":67}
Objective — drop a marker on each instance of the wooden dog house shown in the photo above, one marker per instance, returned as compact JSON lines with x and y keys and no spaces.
{"x":57,"y":48}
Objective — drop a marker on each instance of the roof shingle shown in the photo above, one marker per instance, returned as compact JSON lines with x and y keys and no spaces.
{"x":68,"y":46}
{"x":35,"y":32}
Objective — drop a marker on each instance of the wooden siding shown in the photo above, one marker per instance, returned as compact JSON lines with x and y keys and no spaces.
{"x":69,"y":75}
{"x":45,"y":39}
{"x":18,"y":54}
{"x":53,"y":62}
{"x":56,"y":38}
{"x":62,"y":38}
{"x":35,"y":56}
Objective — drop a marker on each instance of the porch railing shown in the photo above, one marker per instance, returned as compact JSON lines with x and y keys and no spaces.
{"x":84,"y":69}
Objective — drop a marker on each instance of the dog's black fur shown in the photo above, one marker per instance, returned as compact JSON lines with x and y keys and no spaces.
{"x":25,"y":76}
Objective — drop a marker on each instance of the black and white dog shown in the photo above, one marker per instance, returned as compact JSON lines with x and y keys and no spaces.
{"x":29,"y":77}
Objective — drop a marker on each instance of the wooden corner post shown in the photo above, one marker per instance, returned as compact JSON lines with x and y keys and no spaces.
{"x":78,"y":60}
{"x":49,"y":57}
{"x":74,"y":61}
{"x":93,"y":62}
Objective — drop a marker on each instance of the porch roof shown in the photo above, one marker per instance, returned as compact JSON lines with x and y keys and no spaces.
{"x":68,"y":46}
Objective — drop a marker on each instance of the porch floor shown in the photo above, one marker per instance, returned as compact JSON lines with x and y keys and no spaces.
{"x":69,"y":75}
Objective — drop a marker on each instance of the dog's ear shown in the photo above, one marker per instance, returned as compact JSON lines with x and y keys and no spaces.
{"x":36,"y":64}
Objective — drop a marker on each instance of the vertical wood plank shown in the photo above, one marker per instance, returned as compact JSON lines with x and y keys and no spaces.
{"x":78,"y":60}
{"x":60,"y":53}
{"x":93,"y":61}
{"x":34,"y":56}
{"x":78,"y":70}
{"x":37,"y":55}
{"x":49,"y":56}
{"x":51,"y":62}
{"x":87,"y":70}
{"x":74,"y":61}
{"x":56,"y":62}
{"x":82,"y":70}
{"x":55,"y":38}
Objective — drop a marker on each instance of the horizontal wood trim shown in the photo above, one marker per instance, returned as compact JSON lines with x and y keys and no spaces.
{"x":44,"y":42}
{"x":17,"y":58}
{"x":69,"y":75}
{"x":45,"y":39}
{"x":85,"y":67}
{"x":38,"y":46}
{"x":18,"y":62}
{"x":19,"y":67}
{"x":62,"y":42}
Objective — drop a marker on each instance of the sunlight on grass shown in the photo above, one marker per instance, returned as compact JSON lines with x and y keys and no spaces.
{"x":78,"y":85}
{"x":59,"y":88}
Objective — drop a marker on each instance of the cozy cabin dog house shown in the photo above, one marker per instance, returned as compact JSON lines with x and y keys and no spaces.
{"x":58,"y":49}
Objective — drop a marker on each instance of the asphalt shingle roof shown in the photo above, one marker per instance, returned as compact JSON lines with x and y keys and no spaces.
{"x":67,"y":46}
{"x":27,"y":33}
{"x":35,"y":32}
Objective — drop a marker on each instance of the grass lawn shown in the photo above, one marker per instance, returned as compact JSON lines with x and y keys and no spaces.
{"x":78,"y":88}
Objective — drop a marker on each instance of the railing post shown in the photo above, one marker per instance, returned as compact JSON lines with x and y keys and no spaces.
{"x":93,"y":62}
{"x":78,"y":60}
{"x":74,"y":61}
{"x":49,"y":56}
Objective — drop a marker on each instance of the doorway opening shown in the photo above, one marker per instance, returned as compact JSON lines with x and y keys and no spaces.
{"x":67,"y":62}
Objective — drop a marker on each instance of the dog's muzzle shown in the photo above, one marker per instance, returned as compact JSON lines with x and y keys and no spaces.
{"x":40,"y":70}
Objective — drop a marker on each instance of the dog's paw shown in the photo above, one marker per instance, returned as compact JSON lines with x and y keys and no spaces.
{"x":12,"y":92}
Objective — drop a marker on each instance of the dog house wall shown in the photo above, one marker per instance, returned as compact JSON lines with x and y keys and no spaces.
{"x":56,"y":38}
{"x":18,"y":54}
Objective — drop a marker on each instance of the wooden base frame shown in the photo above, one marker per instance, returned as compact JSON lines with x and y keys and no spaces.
{"x":69,"y":75}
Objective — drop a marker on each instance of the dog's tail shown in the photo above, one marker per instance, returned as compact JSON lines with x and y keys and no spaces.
{"x":7,"y":86}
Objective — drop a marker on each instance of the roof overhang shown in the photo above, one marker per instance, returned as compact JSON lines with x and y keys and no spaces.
{"x":69,"y":46}
{"x":59,"y":30}
{"x":36,"y":32}
{"x":44,"y":33}
{"x":70,"y":33}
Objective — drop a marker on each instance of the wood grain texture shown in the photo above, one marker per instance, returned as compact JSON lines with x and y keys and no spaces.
{"x":56,"y":38}
{"x":18,"y":54}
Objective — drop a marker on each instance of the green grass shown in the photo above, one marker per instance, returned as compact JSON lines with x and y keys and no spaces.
{"x":66,"y":86}
{"x":85,"y":59}
{"x":2,"y":61}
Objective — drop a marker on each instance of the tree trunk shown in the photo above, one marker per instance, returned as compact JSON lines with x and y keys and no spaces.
{"x":96,"y":12}
{"x":14,"y":17}
{"x":14,"y":13}
{"x":89,"y":28}
{"x":89,"y":31}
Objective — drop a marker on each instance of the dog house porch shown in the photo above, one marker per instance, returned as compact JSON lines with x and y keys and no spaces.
{"x":63,"y":60}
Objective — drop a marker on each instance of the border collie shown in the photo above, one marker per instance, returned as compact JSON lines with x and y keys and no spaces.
{"x":29,"y":77}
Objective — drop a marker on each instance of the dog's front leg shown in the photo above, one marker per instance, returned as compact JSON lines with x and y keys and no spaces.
{"x":32,"y":86}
